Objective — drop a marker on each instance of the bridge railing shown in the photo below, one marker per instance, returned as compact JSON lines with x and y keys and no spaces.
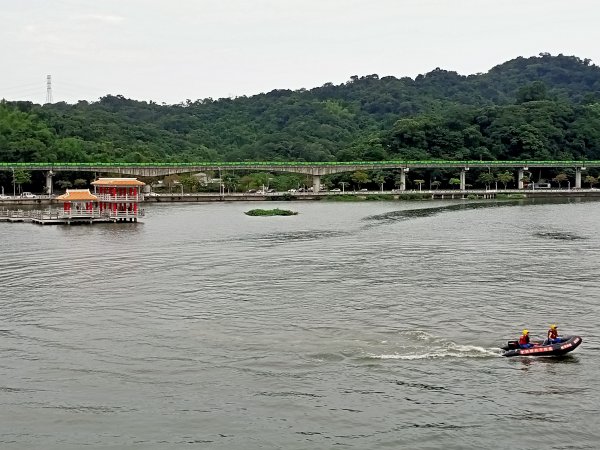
{"x":423,"y":163}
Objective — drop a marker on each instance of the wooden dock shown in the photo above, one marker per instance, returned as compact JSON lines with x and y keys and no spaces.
{"x":60,"y":217}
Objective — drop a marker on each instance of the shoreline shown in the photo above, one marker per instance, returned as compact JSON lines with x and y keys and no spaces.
{"x":206,"y":197}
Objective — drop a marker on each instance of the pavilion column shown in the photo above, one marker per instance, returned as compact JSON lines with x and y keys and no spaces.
{"x":403,"y":179}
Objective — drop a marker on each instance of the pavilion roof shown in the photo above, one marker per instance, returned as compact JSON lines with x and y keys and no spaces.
{"x":77,"y":195}
{"x":118,"y":182}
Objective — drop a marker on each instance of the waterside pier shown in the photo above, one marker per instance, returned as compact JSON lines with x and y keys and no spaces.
{"x":58,"y":216}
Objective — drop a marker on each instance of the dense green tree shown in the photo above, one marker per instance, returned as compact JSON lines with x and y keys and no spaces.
{"x":454,"y":182}
{"x":590,"y":180}
{"x":560,"y":178}
{"x":486,"y":178}
{"x":379,"y":179}
{"x":543,"y":107}
{"x":21,"y":177}
{"x":505,"y":178}
{"x":230,"y":182}
{"x":360,"y":178}
{"x":64,"y":184}
{"x":532,"y":92}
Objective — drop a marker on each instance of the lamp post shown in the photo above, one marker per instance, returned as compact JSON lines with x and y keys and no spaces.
{"x":14,"y":188}
{"x":343,"y":183}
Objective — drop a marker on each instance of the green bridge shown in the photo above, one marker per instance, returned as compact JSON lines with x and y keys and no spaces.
{"x":316,"y":169}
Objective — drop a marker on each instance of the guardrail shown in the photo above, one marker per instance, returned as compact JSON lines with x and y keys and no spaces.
{"x":407,"y":163}
{"x":374,"y":192}
{"x":35,"y":197}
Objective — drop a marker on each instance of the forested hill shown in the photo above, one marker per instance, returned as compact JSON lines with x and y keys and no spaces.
{"x":543,"y":107}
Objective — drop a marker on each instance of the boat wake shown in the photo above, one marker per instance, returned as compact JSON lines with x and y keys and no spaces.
{"x":426,"y":346}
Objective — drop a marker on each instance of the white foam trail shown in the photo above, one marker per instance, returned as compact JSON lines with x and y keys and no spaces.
{"x":419,"y":344}
{"x":451,"y":351}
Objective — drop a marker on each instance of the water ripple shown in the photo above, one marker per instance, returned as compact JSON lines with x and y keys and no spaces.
{"x":363,"y":325}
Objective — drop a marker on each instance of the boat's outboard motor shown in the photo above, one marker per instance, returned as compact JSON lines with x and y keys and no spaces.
{"x":511,"y":345}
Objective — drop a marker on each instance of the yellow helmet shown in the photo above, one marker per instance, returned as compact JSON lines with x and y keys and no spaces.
{"x":553,"y":326}
{"x":525,"y":331}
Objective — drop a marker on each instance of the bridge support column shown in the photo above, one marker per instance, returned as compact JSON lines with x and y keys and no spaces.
{"x":316,"y":183}
{"x":520,"y":178}
{"x":463,"y":178}
{"x":49,"y":176}
{"x":403,"y":179}
{"x":578,"y":177}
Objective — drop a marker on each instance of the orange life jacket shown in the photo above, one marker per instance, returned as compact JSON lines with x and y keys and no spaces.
{"x":524,"y":339}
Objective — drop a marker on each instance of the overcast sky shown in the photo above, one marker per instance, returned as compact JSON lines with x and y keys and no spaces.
{"x":173,"y":50}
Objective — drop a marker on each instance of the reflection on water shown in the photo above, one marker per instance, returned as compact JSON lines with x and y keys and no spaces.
{"x":363,"y":325}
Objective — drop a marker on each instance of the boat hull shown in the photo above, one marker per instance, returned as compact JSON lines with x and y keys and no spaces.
{"x":568,"y":344}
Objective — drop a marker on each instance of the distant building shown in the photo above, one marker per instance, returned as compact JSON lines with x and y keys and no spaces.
{"x":79,"y":204}
{"x":113,"y":200}
{"x":202,"y":178}
{"x":119,"y":198}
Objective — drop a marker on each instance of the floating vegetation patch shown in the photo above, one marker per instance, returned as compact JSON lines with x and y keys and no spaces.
{"x":394,"y":216}
{"x":559,"y":235}
{"x":271,"y":212}
{"x":273,"y":239}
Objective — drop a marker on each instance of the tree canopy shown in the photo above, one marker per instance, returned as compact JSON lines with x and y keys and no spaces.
{"x":543,"y":107}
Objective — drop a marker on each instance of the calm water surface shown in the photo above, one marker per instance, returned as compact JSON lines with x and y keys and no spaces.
{"x":363,"y":325}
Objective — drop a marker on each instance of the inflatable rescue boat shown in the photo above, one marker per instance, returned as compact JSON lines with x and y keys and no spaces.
{"x":567,"y":344}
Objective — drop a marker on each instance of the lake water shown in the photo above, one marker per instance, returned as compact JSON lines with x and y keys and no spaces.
{"x":354,"y":325}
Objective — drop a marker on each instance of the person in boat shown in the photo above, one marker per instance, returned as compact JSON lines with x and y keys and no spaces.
{"x":524,"y":340}
{"x":553,"y":335}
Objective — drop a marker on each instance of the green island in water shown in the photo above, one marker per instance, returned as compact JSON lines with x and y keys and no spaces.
{"x":271,"y":212}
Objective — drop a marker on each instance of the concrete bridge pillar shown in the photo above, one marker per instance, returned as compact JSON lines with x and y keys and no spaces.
{"x":463,"y":178}
{"x":316,"y":183}
{"x":578,"y":177}
{"x":520,"y":177}
{"x":49,"y":176}
{"x":403,"y":179}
